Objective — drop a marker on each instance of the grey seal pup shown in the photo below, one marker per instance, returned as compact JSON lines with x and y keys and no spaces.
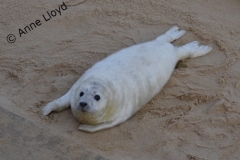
{"x":115,"y":88}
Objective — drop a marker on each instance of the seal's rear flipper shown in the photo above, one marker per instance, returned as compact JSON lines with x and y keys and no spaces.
{"x":171,"y":35}
{"x":192,"y":50}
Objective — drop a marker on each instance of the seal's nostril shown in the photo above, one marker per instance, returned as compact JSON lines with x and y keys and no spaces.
{"x":83,"y":104}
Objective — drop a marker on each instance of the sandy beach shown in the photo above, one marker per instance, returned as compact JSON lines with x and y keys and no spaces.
{"x":196,"y":116}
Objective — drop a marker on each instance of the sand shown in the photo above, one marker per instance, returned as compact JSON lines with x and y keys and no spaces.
{"x":196,"y":116}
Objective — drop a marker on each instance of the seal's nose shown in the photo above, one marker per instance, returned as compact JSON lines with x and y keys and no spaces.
{"x":83,"y":106}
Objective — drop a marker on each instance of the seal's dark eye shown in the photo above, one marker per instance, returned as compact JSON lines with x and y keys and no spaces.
{"x":81,"y":94}
{"x":97,"y":97}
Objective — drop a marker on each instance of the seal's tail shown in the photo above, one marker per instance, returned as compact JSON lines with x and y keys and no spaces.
{"x":192,"y":50}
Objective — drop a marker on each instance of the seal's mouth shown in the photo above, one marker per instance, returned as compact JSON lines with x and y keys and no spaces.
{"x":84,"y":108}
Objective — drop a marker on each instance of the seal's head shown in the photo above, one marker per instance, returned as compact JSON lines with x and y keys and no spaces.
{"x":91,"y":103}
{"x":91,"y":98}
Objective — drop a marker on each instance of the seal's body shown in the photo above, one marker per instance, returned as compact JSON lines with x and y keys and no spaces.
{"x":118,"y":86}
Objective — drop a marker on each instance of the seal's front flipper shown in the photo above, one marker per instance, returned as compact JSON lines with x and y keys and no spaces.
{"x":94,"y":128}
{"x":57,"y":105}
{"x":98,"y":127}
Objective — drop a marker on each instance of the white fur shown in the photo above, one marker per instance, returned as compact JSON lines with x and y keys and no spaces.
{"x":125,"y":81}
